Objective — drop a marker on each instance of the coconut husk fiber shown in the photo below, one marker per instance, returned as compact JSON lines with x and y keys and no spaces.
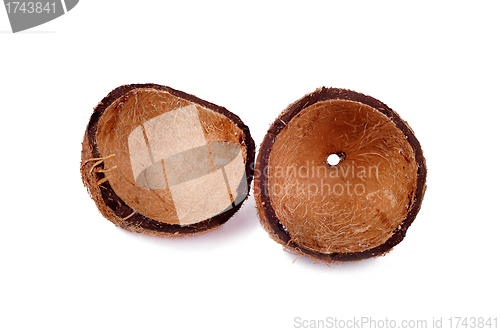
{"x":162,"y":162}
{"x":360,"y":207}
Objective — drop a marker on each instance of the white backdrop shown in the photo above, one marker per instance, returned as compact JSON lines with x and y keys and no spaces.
{"x":63,"y":267}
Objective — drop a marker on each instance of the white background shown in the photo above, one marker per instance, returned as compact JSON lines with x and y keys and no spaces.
{"x":63,"y":267}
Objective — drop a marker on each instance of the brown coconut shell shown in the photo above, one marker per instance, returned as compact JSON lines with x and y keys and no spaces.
{"x":162,"y":162}
{"x":300,"y":211}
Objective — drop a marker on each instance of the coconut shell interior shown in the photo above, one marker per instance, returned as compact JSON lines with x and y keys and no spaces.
{"x":159,"y":161}
{"x":358,"y":208}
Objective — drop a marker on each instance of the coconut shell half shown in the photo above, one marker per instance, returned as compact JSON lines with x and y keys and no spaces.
{"x":356,"y":208}
{"x":162,"y":162}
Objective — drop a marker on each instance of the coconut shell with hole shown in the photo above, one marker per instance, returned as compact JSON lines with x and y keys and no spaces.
{"x":162,"y":162}
{"x":353,"y":209}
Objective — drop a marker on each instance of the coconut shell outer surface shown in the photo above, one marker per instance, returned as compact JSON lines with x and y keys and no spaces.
{"x":266,"y":210}
{"x":96,"y":168}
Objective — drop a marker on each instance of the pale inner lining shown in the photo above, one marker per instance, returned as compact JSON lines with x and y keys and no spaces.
{"x":175,"y":162}
{"x":178,"y":134}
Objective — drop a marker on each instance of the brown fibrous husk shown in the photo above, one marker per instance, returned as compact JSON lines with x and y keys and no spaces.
{"x":107,"y":172}
{"x":336,"y":227}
